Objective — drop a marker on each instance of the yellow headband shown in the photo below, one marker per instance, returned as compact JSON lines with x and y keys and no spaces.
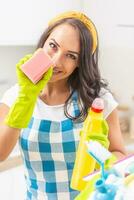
{"x":83,"y":18}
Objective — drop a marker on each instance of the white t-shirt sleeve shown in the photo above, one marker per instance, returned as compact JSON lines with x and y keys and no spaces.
{"x":10,"y":95}
{"x":109,"y":102}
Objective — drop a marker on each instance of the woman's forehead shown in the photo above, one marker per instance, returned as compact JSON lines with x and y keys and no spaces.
{"x":67,"y":35}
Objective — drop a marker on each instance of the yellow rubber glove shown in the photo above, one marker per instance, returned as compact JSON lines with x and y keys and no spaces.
{"x":21,"y":111}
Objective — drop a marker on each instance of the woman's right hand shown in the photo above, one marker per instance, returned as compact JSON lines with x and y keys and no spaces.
{"x":21,"y":111}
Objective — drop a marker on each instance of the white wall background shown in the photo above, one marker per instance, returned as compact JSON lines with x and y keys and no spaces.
{"x":22,"y":22}
{"x":9,"y":56}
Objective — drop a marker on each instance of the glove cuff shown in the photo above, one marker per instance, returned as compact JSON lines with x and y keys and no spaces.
{"x":20,"y":113}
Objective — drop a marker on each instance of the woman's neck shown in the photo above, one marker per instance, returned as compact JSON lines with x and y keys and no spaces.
{"x":55,"y":93}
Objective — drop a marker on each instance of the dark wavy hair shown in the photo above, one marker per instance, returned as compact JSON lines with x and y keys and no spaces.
{"x":86,"y":78}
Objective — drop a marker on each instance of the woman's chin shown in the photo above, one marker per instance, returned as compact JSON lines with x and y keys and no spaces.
{"x":56,"y":77}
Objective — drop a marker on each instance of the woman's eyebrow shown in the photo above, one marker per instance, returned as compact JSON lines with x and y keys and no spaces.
{"x":74,"y":52}
{"x":55,"y":42}
{"x":68,"y":50}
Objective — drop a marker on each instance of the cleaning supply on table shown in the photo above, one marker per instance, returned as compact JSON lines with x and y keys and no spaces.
{"x":129,"y":169}
{"x":129,"y":179}
{"x":101,"y":155}
{"x":104,"y":191}
{"x":89,"y":189}
{"x":21,"y":111}
{"x":95,"y":127}
{"x":115,"y":175}
{"x":129,"y":186}
{"x":37,"y":65}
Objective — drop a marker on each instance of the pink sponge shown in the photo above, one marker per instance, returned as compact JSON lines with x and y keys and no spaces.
{"x":37,"y":65}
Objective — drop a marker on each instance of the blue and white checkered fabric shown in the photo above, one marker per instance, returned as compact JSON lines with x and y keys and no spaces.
{"x":48,"y":149}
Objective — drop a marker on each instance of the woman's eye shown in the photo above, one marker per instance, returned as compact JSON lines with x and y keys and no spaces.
{"x":52,"y":45}
{"x":72,"y":56}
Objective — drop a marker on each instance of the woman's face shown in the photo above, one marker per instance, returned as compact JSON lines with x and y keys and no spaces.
{"x":63,"y":46}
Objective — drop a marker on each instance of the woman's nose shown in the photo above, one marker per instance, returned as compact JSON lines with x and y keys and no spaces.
{"x":57,"y":59}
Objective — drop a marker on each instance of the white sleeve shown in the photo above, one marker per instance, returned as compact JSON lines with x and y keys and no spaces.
{"x":10,"y":95}
{"x":109,"y":103}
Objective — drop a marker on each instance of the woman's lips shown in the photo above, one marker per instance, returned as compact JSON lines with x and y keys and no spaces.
{"x":56,"y":71}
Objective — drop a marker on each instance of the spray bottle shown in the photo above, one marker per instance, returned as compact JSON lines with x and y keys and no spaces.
{"x":104,"y":191}
{"x":95,"y":128}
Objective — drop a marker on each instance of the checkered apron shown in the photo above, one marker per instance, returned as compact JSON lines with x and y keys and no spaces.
{"x":48,"y":149}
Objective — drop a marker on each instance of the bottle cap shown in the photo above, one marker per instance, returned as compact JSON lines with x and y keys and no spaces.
{"x":97,"y":105}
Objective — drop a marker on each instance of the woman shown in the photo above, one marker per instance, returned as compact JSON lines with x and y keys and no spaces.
{"x":47,"y":117}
